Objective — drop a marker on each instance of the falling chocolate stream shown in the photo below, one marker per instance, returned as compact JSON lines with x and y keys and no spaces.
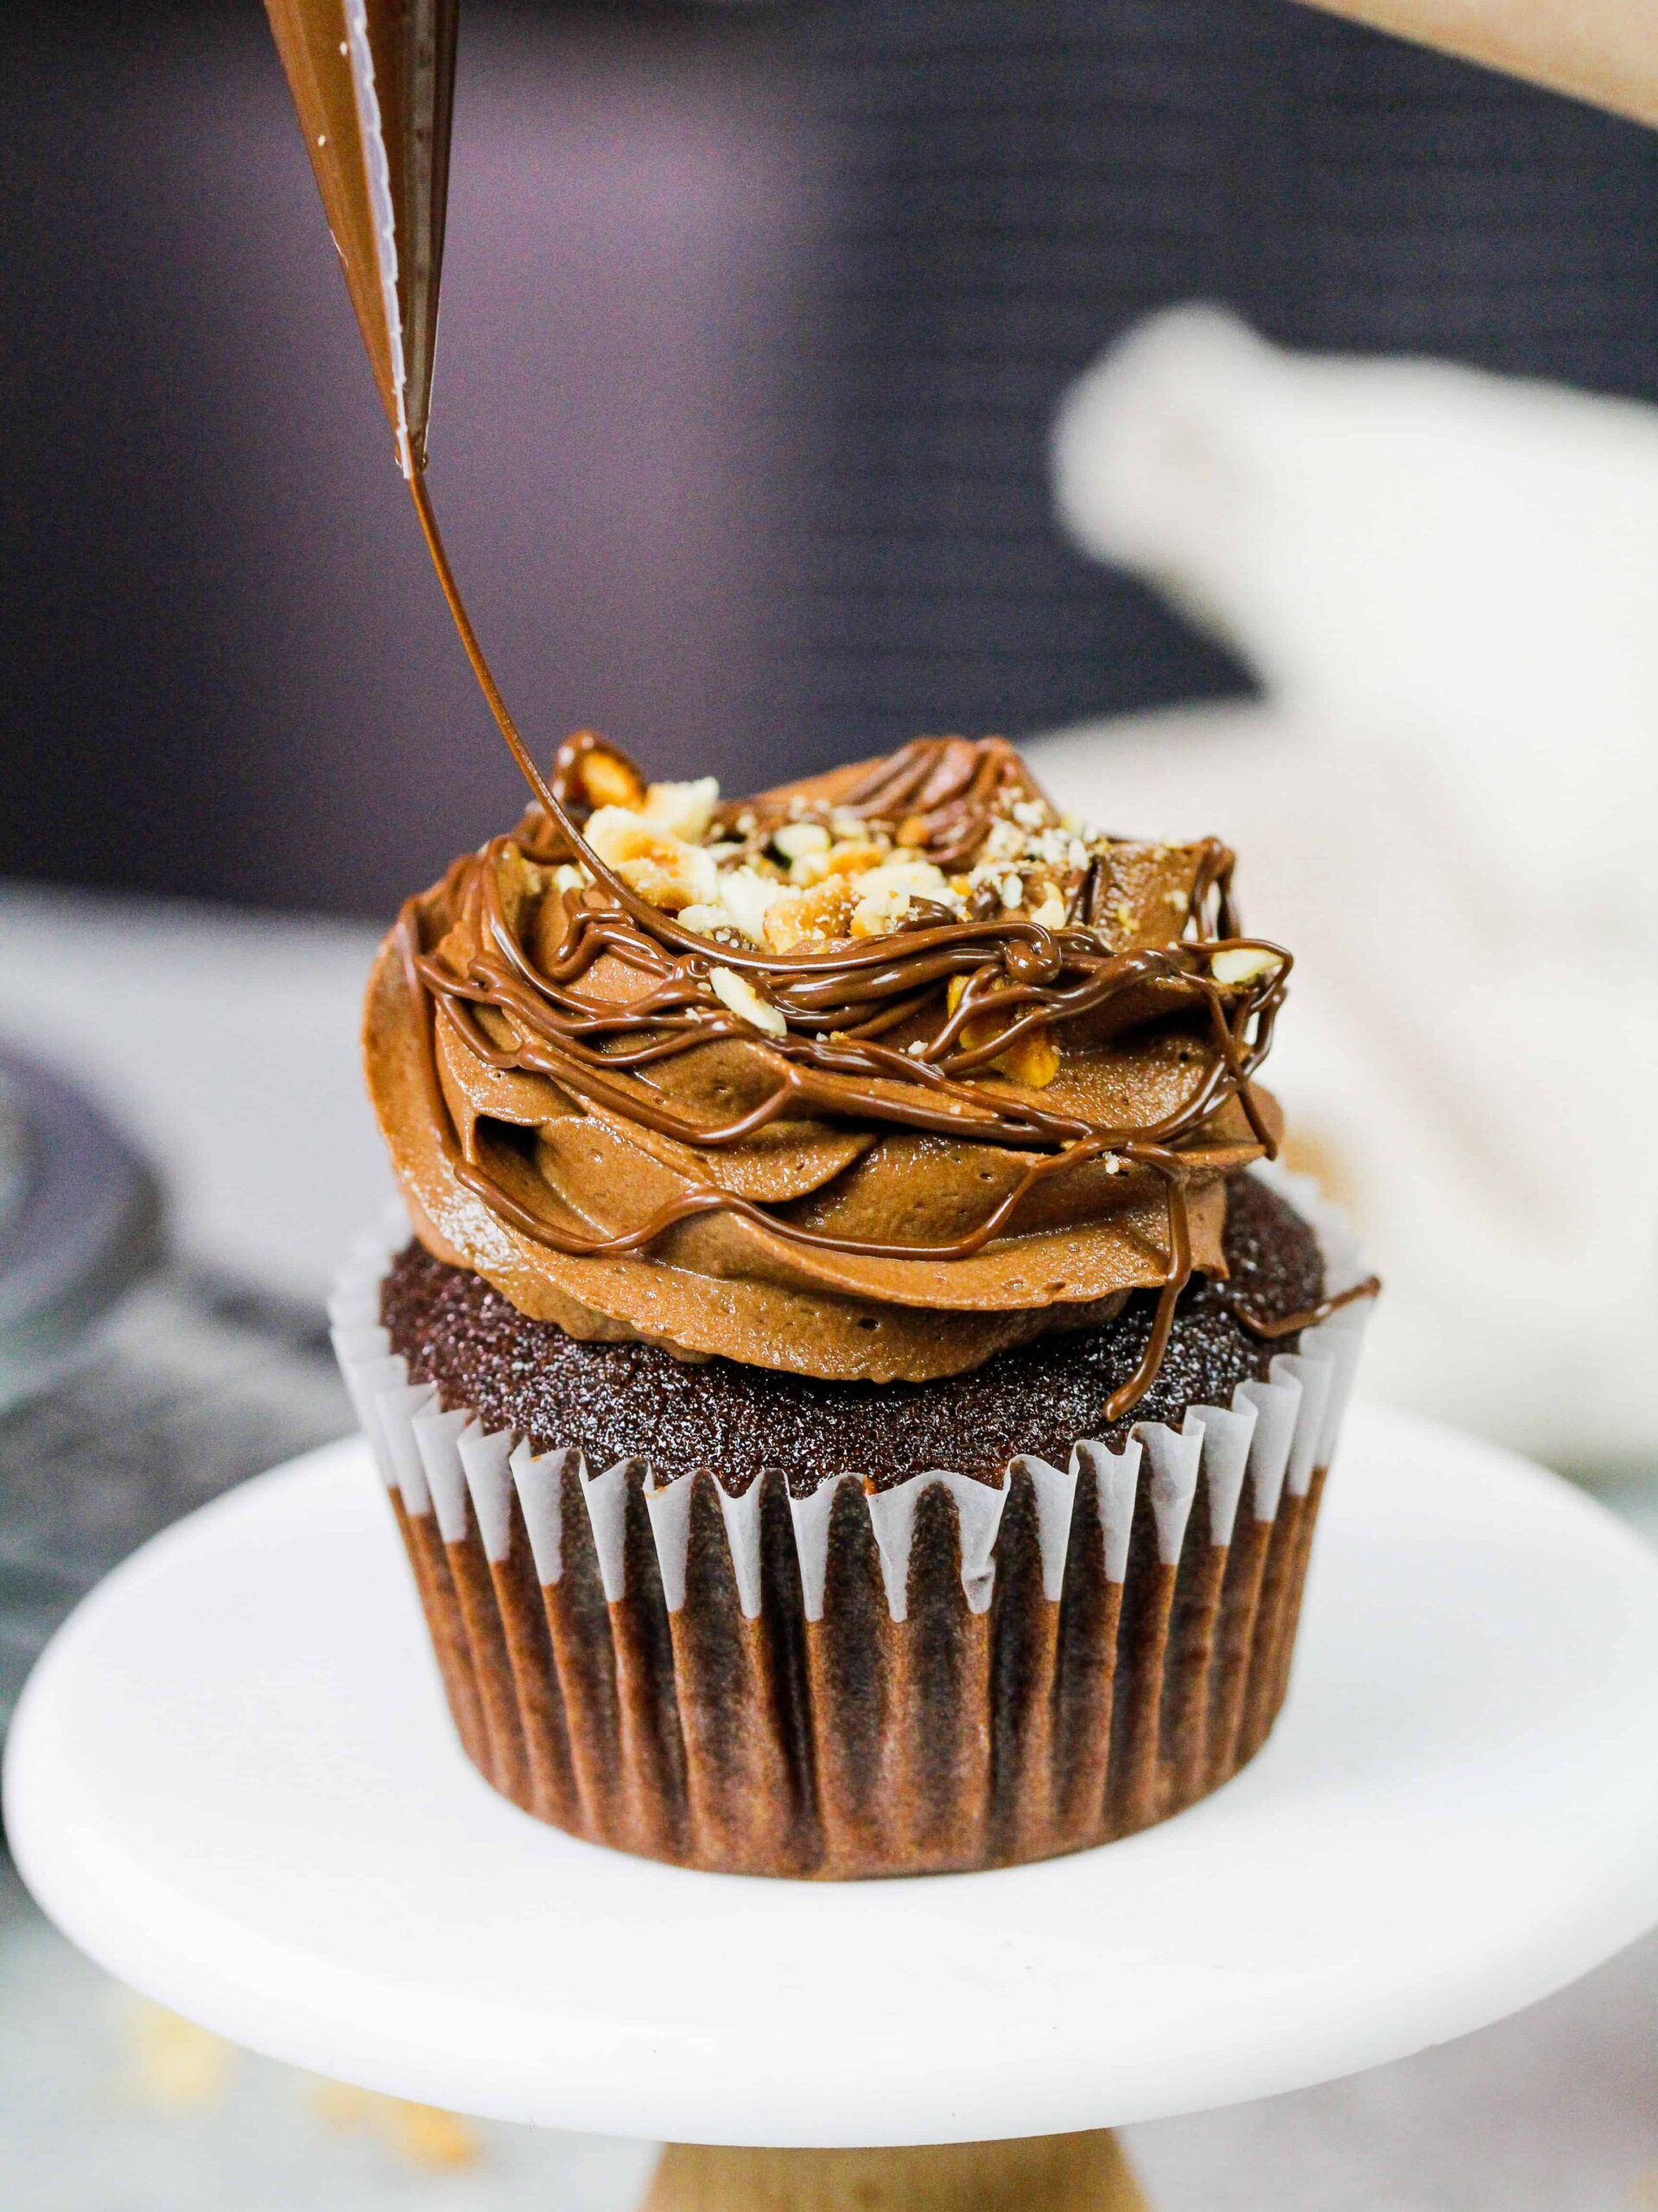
{"x":373,"y":83}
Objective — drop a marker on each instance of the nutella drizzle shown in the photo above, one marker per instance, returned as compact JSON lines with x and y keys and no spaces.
{"x":943,"y":795}
{"x":1309,"y":1317}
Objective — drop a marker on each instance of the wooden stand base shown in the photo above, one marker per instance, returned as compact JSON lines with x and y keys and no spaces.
{"x":1042,"y":2173}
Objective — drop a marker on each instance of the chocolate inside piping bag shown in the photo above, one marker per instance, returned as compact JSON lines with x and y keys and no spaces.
{"x":374,"y":86}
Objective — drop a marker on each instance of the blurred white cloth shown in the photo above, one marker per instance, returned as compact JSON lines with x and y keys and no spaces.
{"x":1448,"y":583}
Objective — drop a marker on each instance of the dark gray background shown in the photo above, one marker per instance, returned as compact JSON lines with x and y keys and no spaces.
{"x":753,"y":327}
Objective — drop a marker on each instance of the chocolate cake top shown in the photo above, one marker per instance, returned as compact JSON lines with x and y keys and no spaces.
{"x":635,"y":1400}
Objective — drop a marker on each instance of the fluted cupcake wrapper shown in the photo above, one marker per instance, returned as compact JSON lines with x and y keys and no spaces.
{"x":946,"y":1673}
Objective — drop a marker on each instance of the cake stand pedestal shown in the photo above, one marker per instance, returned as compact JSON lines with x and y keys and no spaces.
{"x":233,"y":1782}
{"x":1035,"y":2173}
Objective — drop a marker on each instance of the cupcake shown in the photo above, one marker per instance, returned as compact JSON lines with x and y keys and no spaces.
{"x":855,"y":1397}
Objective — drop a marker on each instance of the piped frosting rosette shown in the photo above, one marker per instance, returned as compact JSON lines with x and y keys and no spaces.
{"x":870,"y":1078}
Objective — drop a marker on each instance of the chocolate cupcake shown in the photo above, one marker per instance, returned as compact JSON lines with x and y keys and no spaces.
{"x":856,"y":1401}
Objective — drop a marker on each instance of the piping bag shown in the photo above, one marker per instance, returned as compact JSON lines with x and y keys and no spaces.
{"x":373,"y":83}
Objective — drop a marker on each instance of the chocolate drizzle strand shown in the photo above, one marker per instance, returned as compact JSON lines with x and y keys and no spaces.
{"x":1272,"y":1328}
{"x":926,"y":1027}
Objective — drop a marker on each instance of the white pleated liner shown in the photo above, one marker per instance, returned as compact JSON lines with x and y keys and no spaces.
{"x":1268,"y":1441}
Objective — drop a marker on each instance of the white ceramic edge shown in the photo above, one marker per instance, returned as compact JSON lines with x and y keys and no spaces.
{"x":628,"y":2082}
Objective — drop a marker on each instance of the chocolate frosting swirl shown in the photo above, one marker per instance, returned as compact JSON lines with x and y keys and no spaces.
{"x":827,"y":1163}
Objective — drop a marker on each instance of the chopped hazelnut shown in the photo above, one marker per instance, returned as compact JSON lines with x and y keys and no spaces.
{"x":683,"y":809}
{"x":818,"y":916}
{"x":1033,"y":1061}
{"x":854,"y":856}
{"x":706,"y":919}
{"x":1241,"y":964}
{"x":885,"y":892}
{"x":661,"y":867}
{"x":748,"y":897}
{"x":606,"y":781}
{"x":739,"y":994}
{"x":795,"y":839}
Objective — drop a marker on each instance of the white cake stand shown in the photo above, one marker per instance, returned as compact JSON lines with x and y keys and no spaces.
{"x":231,"y":1781}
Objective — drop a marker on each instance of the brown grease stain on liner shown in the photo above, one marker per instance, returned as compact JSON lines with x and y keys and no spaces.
{"x":839,"y":1003}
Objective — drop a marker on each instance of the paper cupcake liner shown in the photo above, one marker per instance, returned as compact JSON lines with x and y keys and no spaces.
{"x":946,"y":1674}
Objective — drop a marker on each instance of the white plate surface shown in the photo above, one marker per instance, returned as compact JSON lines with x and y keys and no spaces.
{"x":231,"y":1781}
